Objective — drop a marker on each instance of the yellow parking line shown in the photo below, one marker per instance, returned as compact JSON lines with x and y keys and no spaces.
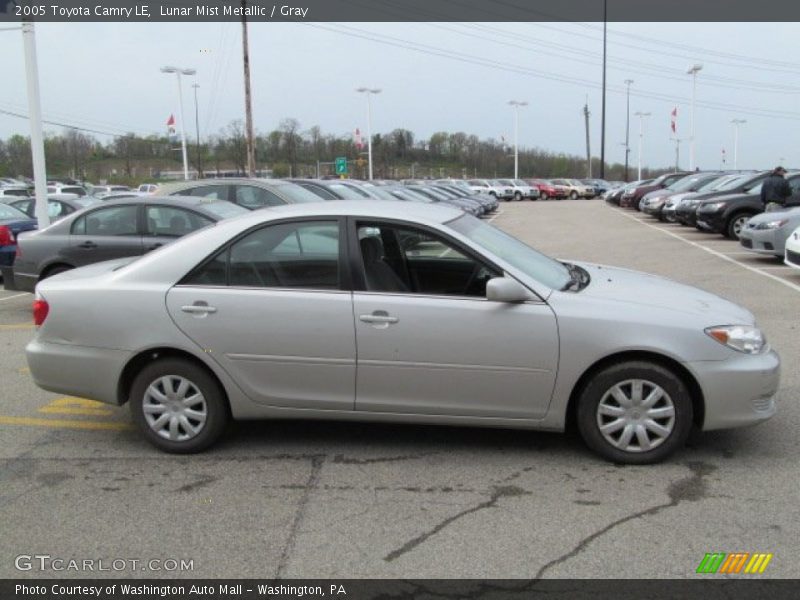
{"x":73,"y":410}
{"x":63,"y":423}
{"x":18,"y":326}
{"x":23,"y":370}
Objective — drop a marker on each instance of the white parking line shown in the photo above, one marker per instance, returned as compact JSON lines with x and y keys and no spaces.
{"x":788,"y":284}
{"x":497,"y":214}
{"x":14,"y":296}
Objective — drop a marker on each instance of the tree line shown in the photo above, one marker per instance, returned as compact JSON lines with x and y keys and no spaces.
{"x":290,"y":151}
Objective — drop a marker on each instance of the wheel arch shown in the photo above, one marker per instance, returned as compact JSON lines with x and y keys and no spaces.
{"x":50,"y":267}
{"x":695,"y":391}
{"x":145,"y":357}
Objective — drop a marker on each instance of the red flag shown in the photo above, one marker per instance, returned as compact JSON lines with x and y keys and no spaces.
{"x":171,"y":120}
{"x":674,"y":123}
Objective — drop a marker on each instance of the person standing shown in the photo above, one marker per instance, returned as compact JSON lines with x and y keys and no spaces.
{"x":775,"y":190}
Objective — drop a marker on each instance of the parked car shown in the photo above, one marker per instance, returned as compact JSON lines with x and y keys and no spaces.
{"x":14,"y":191}
{"x":792,"y":256}
{"x":614,"y":196}
{"x":548,"y":189}
{"x":575,"y":189}
{"x":12,"y":222}
{"x":105,"y":189}
{"x":632,"y":197}
{"x":108,"y":230}
{"x":601,"y":186}
{"x":767,"y":233}
{"x":436,"y":195}
{"x":686,"y":211}
{"x":330,"y":189}
{"x":58,"y":205}
{"x":672,"y":203}
{"x":148,"y":188}
{"x":489,"y":203}
{"x":521,"y":189}
{"x":729,"y":214}
{"x":654,"y":202}
{"x":246,"y":192}
{"x":492,"y":188}
{"x":455,"y":322}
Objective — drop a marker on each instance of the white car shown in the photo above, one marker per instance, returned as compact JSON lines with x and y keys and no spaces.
{"x":492,"y":188}
{"x":792,"y":253}
{"x":521,"y":189}
{"x":148,"y":188}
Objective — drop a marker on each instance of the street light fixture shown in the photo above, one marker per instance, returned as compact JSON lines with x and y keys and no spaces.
{"x":736,"y":123}
{"x":368,"y":92}
{"x":178,"y":72}
{"x":693,"y":70}
{"x":641,"y":116}
{"x":516,"y":104}
{"x":628,"y":83}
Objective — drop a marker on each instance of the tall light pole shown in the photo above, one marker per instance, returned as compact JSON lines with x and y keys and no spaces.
{"x":603,"y":111}
{"x":368,"y":92}
{"x":736,"y":123}
{"x":35,"y":115}
{"x":693,"y":71}
{"x":516,"y":104}
{"x":641,"y":116}
{"x":178,"y":72}
{"x":248,"y":100}
{"x":628,"y":83}
{"x":197,"y":127}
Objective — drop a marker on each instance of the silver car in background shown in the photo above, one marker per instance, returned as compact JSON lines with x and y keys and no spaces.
{"x":397,"y":312}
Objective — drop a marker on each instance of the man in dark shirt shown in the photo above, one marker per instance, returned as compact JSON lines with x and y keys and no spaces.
{"x":775,"y":190}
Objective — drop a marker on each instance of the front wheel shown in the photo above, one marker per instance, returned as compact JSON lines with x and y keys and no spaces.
{"x":574,"y":195}
{"x":636,"y":412}
{"x":543,"y":196}
{"x":736,"y":224}
{"x":179,"y":406}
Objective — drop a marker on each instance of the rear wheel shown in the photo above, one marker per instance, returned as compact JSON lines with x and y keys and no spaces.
{"x":543,"y":196}
{"x":179,"y":407}
{"x":517,"y":196}
{"x":735,"y":225}
{"x":573,"y":195}
{"x":636,"y":412}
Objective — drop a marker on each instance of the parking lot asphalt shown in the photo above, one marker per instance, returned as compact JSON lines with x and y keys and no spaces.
{"x":316,"y":499}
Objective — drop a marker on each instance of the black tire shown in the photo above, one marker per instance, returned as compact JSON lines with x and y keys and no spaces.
{"x":216,"y":405}
{"x":573,"y":195}
{"x":543,"y":196}
{"x":517,"y":196}
{"x":734,"y":222}
{"x":600,"y":385}
{"x":56,"y":270}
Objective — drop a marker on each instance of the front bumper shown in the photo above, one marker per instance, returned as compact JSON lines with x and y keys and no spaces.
{"x":653,"y":209}
{"x":763,"y":241}
{"x":80,"y":371}
{"x":739,"y":391}
{"x":711,"y":221}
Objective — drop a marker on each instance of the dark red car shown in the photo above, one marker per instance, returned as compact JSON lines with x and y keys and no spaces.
{"x":547,"y":189}
{"x":633,"y":198}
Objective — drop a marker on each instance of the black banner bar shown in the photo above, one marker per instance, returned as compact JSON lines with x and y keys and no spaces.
{"x":143,"y":11}
{"x":705,"y":587}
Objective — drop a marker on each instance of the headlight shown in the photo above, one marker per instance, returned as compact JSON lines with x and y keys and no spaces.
{"x":772,"y":224}
{"x":742,"y":338}
{"x":713,"y":206}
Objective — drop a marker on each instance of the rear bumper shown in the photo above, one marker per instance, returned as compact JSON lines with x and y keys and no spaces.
{"x":739,"y":391}
{"x":80,"y":371}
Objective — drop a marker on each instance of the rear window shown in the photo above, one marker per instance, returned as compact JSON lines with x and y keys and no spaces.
{"x":78,"y":191}
{"x":9,"y":212}
{"x":223,"y":210}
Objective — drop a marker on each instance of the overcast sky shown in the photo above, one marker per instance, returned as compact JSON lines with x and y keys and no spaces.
{"x":106,"y":77}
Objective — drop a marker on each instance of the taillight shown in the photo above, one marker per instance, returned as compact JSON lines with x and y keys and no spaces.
{"x":6,"y":237}
{"x":18,"y":253}
{"x":40,"y":310}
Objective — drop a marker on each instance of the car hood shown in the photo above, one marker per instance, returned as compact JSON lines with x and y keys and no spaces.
{"x":634,"y":288}
{"x":792,"y":213}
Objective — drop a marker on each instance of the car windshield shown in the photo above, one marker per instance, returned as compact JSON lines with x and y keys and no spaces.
{"x":536,"y":265}
{"x":223,"y":209}
{"x":733,"y":183}
{"x":519,"y":182}
{"x":295,"y":193}
{"x":685,"y":184}
{"x":9,"y":212}
{"x":715,"y":183}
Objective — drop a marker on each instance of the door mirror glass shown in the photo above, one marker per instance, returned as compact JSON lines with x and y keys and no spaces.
{"x":505,"y":289}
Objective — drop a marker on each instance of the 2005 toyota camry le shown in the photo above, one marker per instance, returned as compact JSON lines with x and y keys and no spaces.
{"x":397,"y":312}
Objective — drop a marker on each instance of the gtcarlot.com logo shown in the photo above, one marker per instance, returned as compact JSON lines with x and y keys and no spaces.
{"x":735,"y":563}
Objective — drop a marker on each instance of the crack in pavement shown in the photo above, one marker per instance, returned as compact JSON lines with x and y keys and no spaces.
{"x":311,"y":483}
{"x":498,"y":493}
{"x":690,"y":489}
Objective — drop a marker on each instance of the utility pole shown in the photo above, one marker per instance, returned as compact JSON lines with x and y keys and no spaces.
{"x":693,"y":71}
{"x":197,"y":131}
{"x":603,"y":117}
{"x":677,"y":153}
{"x":588,"y":147}
{"x":369,"y":92}
{"x":628,"y":83}
{"x":35,"y":115}
{"x":516,"y":104}
{"x":248,"y":101}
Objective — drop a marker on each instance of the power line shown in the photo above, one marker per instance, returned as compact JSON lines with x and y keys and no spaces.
{"x":66,"y":125}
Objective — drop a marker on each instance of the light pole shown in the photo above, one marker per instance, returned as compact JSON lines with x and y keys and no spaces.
{"x":516,"y":104}
{"x":178,"y":72}
{"x":368,"y":92}
{"x":736,"y":123}
{"x":641,"y":116}
{"x":693,"y":71}
{"x":197,"y":127}
{"x":628,"y":83}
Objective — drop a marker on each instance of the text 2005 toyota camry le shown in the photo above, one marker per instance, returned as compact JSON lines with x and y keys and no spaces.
{"x":397,"y":312}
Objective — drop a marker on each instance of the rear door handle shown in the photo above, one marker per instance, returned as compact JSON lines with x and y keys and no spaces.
{"x":87,"y":245}
{"x":199,"y":309}
{"x":378,"y":317}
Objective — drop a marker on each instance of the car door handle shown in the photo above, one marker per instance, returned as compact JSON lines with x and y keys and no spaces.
{"x":379,"y":317}
{"x":87,"y":245}
{"x":199,"y":309}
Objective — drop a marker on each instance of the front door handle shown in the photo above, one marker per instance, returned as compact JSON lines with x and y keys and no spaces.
{"x":378,"y":317}
{"x":87,"y":245}
{"x":199,"y":309}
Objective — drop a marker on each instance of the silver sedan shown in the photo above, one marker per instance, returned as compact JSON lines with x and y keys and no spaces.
{"x":397,"y":312}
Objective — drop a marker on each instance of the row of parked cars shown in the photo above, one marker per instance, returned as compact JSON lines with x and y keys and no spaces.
{"x":543,"y":189}
{"x":722,"y":202}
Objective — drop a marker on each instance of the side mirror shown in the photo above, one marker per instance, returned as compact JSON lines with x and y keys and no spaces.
{"x":505,"y":289}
